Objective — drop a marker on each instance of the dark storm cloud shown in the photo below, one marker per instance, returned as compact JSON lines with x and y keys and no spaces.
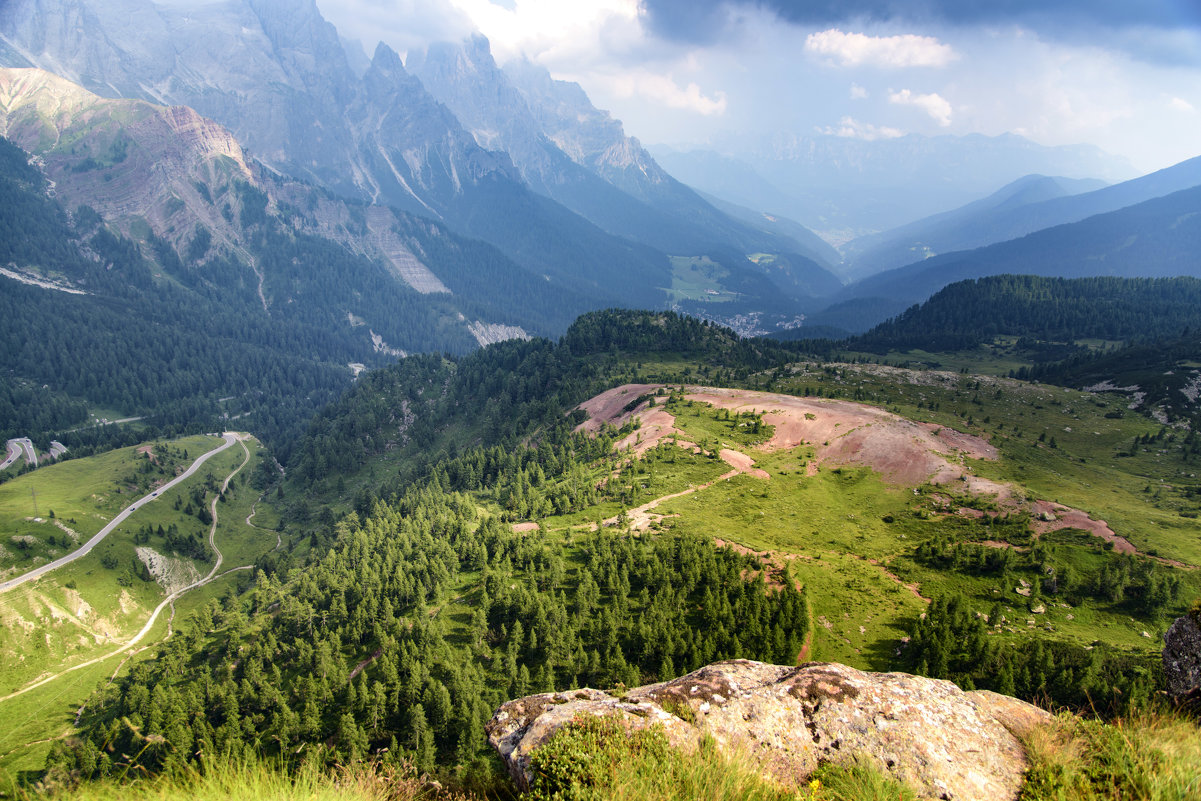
{"x":705,"y":20}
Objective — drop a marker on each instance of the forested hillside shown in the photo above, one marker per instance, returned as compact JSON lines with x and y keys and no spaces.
{"x":966,"y":314}
{"x":451,"y":539}
{"x":99,"y":321}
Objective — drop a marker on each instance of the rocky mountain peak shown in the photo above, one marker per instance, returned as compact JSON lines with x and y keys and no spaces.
{"x":589,"y":136}
{"x":386,"y":63}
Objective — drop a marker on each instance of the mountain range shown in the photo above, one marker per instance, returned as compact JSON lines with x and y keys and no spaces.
{"x":846,"y":187}
{"x":278,"y":77}
{"x":579,"y":214}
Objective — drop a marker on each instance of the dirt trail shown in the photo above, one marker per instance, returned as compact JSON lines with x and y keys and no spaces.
{"x":639,"y":518}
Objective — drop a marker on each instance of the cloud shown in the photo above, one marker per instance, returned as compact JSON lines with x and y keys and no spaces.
{"x":702,"y":20}
{"x":850,"y":128}
{"x":1180,"y":104}
{"x":858,"y":92}
{"x":663,"y":89}
{"x":857,"y":49}
{"x":933,"y":104}
{"x":402,"y":24}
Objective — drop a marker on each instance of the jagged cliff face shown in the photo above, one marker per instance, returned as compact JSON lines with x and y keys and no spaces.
{"x":465,"y":77}
{"x":588,"y":135}
{"x":275,"y":73}
{"x":130,"y":160}
{"x":411,"y":149}
{"x":168,"y":170}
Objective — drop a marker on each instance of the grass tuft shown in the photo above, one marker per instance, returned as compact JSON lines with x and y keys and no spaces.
{"x":256,"y":781}
{"x":598,"y":759}
{"x":1155,"y":756}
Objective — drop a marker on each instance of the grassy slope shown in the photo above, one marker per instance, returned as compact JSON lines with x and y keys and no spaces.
{"x":830,"y":533}
{"x":866,"y":587}
{"x":84,"y":610}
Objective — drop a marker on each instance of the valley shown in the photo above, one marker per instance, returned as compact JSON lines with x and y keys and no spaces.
{"x":845,"y":448}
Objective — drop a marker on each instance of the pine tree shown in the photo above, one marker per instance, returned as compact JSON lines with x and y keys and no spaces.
{"x":421,"y":739}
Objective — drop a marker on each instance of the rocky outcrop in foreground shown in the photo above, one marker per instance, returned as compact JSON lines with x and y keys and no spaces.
{"x":946,"y":743}
{"x":1182,"y":658}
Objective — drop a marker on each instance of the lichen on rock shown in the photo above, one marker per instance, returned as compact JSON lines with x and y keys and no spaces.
{"x":944,"y":742}
{"x":1182,"y":658}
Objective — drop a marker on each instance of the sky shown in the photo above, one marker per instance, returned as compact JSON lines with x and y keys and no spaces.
{"x":1124,"y":75}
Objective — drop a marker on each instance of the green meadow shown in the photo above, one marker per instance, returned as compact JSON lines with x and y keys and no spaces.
{"x":72,"y":622}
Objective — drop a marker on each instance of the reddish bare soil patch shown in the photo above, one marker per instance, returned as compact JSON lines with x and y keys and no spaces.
{"x":901,"y":451}
{"x":742,"y":463}
{"x":609,"y":406}
{"x":523,"y":527}
{"x":656,"y":425}
{"x":149,"y":451}
{"x":845,"y":433}
{"x":1065,"y":517}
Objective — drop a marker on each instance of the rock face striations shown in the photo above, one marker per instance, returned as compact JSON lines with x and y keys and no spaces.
{"x":946,"y":743}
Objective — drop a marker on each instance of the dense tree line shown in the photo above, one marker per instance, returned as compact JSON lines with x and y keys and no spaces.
{"x":415,"y":625}
{"x":1130,"y":584}
{"x":965,"y":314}
{"x":954,"y":641}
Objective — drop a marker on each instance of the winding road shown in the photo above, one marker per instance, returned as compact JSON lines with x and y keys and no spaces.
{"x":229,"y":437}
{"x":13,"y":448}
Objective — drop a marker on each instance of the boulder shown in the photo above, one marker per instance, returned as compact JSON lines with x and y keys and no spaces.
{"x":944,"y":742}
{"x":1182,"y":658}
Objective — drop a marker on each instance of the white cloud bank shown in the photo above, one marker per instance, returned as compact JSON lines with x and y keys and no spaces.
{"x":858,"y":49}
{"x":664,"y":89}
{"x":933,"y":104}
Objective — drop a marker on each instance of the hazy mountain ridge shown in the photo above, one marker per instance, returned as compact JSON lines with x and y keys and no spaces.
{"x":1156,"y":238}
{"x":845,"y":187}
{"x":1012,"y":212}
{"x":973,"y":225}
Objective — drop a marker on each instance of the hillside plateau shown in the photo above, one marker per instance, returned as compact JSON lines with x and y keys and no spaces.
{"x":537,"y":517}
